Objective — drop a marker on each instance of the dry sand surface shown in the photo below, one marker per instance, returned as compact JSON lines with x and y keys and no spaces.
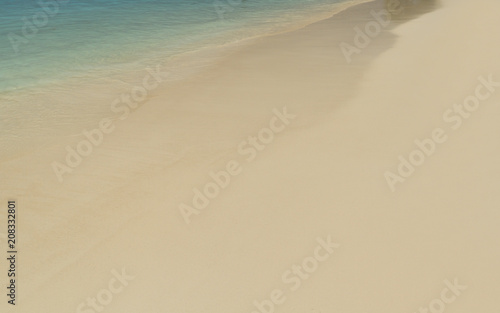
{"x":411,"y":223}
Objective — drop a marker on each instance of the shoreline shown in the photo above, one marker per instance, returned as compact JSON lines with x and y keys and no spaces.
{"x":96,"y":94}
{"x":205,"y":44}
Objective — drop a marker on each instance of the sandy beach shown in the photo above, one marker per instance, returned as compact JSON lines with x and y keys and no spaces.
{"x":347,"y":166}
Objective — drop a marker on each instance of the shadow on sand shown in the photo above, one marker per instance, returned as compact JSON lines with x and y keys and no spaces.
{"x":404,"y":10}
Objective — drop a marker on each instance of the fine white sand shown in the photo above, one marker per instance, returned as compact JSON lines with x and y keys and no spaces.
{"x":323,"y":175}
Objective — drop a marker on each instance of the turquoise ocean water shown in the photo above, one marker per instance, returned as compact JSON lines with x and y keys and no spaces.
{"x":63,"y":62}
{"x":76,"y":38}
